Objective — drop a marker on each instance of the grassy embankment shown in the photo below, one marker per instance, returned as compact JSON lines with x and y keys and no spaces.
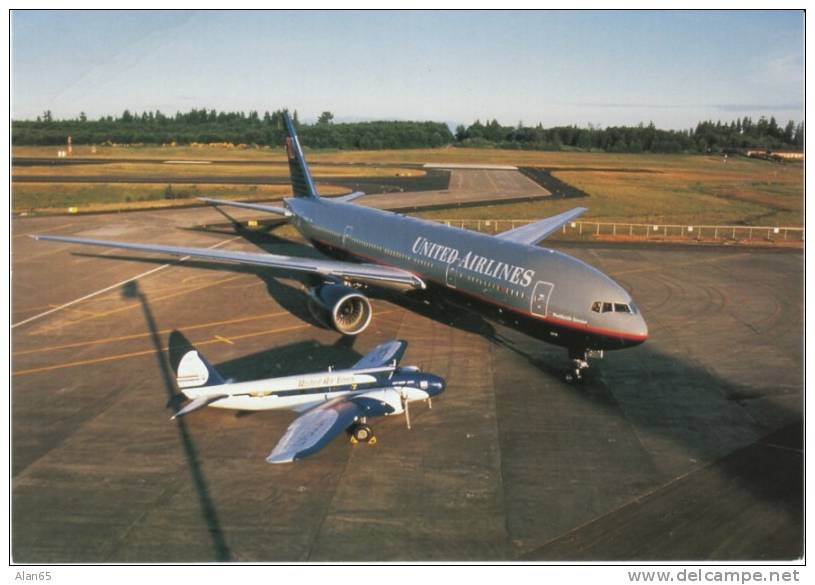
{"x":680,"y":189}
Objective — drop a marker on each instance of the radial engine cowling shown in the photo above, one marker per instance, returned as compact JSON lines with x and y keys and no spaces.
{"x":346,"y":309}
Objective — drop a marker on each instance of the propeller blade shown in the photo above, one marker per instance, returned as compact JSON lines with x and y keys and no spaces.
{"x":406,"y":408}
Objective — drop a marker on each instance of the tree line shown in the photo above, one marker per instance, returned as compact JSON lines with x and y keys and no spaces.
{"x":741,"y":134}
{"x":211,"y":126}
{"x":252,"y":128}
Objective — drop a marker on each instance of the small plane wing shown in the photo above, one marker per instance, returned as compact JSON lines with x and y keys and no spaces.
{"x":382,"y":355}
{"x":371,"y":273}
{"x":315,"y":428}
{"x":256,"y":206}
{"x":534,"y":232}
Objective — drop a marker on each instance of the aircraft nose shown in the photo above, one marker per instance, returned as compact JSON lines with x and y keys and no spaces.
{"x":642,"y":328}
{"x":436,"y":385}
{"x":638,"y":330}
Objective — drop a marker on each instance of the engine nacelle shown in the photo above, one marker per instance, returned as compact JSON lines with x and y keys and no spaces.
{"x":346,"y":309}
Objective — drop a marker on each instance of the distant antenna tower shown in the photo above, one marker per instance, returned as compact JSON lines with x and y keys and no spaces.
{"x":69,"y":146}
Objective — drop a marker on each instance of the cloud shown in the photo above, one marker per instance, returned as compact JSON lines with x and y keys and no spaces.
{"x":778,"y":70}
{"x":734,"y":107}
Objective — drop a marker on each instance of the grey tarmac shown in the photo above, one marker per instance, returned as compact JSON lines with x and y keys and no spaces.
{"x":511,"y":463}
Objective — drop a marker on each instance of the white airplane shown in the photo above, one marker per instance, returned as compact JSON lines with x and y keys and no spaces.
{"x":330,"y":402}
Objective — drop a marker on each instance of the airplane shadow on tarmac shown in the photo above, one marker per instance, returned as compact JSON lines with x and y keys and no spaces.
{"x":279,"y":361}
{"x":711,"y":407}
{"x":131,"y":290}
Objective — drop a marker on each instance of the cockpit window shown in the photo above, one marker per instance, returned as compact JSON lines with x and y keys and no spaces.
{"x":603,"y":307}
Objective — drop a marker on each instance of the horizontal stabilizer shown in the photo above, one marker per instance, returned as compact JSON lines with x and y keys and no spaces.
{"x":197,"y":404}
{"x":349,"y":197}
{"x":535,"y":232}
{"x":256,"y":206}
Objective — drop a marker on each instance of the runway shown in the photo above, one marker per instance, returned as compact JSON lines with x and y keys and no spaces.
{"x":511,"y":463}
{"x":437,"y":189}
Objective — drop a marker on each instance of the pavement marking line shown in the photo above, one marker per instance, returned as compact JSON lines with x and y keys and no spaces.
{"x":82,"y":313}
{"x":152,"y":351}
{"x":137,"y":335}
{"x":53,"y":229}
{"x":147,"y":352}
{"x":782,"y":447}
{"x":225,"y":340}
{"x":134,"y":305}
{"x":111,"y":287}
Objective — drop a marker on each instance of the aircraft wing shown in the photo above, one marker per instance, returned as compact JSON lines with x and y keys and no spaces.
{"x":315,"y":428}
{"x":382,"y":355}
{"x":369,"y":273}
{"x":534,"y":232}
{"x":256,"y":206}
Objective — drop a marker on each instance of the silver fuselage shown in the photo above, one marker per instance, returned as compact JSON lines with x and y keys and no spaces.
{"x":543,"y":292}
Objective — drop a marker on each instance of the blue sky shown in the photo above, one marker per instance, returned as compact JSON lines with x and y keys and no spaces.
{"x":562,"y":67}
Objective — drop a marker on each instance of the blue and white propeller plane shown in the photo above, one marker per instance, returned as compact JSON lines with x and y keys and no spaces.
{"x":507,"y":277}
{"x":329,"y":402}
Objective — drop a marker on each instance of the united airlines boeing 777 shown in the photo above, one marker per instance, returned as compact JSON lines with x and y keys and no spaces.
{"x":507,"y":277}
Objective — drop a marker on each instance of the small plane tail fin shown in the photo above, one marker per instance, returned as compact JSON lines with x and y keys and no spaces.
{"x":195,"y":371}
{"x":301,"y":182}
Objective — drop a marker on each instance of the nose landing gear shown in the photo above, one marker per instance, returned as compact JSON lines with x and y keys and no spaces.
{"x":580,"y":363}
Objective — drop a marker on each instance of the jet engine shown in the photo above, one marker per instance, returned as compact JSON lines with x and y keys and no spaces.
{"x":342,"y":307}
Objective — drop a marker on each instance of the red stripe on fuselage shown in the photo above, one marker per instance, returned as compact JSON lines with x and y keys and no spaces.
{"x":560,"y":322}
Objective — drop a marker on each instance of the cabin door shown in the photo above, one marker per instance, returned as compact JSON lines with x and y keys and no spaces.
{"x":540,"y":298}
{"x":346,"y":235}
{"x":452,"y":275}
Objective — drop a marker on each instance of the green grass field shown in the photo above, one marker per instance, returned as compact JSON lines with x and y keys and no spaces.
{"x":201,"y":170}
{"x":58,"y":197}
{"x":679,"y":189}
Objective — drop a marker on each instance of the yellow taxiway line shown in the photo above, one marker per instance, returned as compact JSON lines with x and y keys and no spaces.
{"x":151,"y":351}
{"x":138,"y":335}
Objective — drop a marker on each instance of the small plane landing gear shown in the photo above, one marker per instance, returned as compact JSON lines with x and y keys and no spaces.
{"x":580,"y":363}
{"x":362,"y":433}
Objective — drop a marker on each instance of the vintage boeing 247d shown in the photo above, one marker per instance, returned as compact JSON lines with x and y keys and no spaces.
{"x":329,"y":402}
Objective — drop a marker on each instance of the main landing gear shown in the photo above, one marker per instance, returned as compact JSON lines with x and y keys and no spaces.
{"x":580,"y":363}
{"x":362,"y":433}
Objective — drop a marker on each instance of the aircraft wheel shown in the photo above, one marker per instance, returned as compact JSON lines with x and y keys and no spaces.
{"x":363,"y":433}
{"x":574,"y":377}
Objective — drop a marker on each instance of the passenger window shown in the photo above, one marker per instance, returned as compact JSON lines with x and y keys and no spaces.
{"x":607,"y":308}
{"x":596,"y":306}
{"x":620,"y":308}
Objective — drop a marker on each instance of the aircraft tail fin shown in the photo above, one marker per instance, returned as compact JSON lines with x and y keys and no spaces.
{"x":301,"y":181}
{"x":195,"y":371}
